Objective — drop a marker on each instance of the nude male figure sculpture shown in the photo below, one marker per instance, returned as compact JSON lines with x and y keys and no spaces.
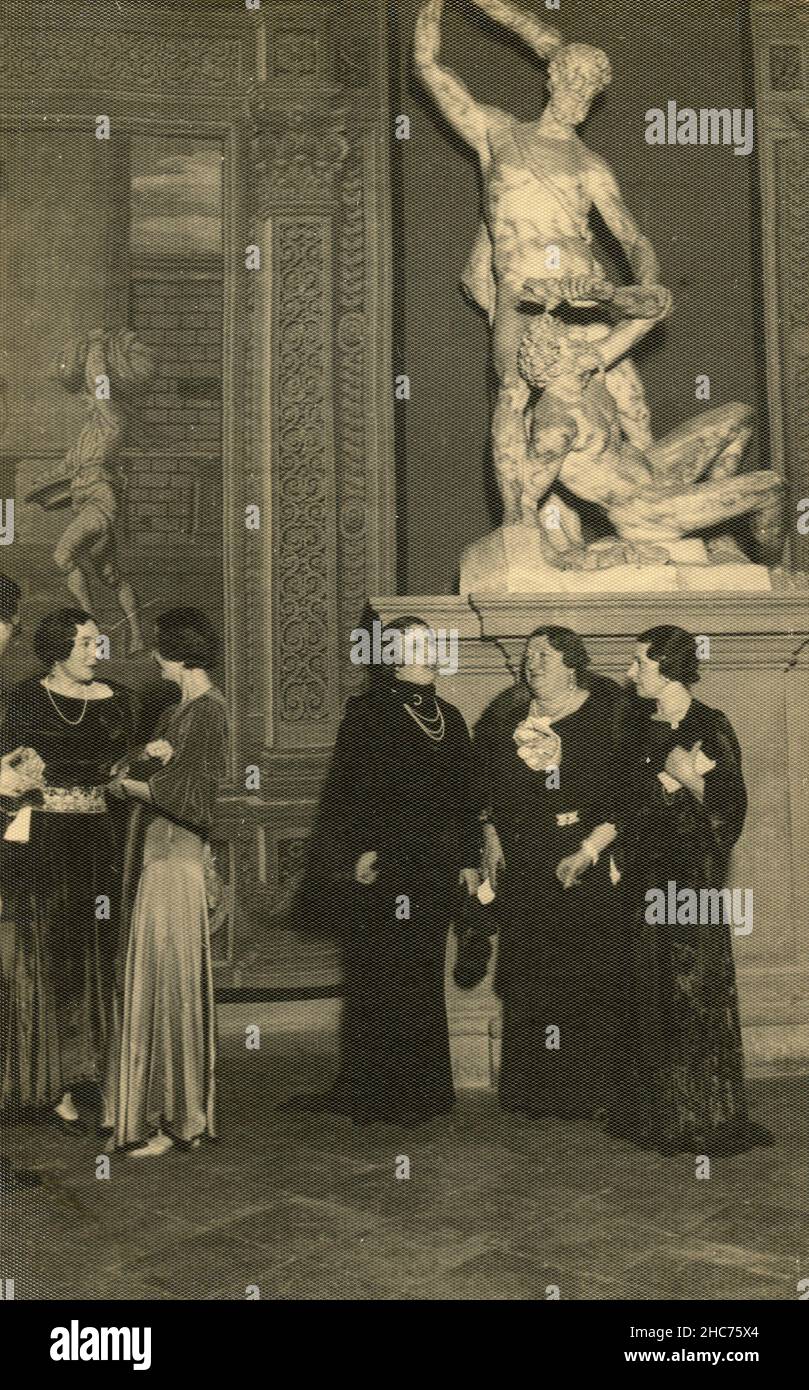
{"x":681,"y":484}
{"x":540,"y":183}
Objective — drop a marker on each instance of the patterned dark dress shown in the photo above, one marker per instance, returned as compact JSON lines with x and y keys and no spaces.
{"x":58,"y":955}
{"x":688,"y":1092}
{"x":561,"y":952}
{"x":395,"y":790}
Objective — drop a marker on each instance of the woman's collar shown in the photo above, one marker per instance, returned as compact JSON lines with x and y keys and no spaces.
{"x":575,"y":700}
{"x":673,"y":705}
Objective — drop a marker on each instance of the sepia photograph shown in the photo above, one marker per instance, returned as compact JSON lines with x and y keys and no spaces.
{"x":404,"y":660}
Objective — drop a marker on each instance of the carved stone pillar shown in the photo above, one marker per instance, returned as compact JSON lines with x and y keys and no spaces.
{"x":318,"y":431}
{"x":781,"y":42}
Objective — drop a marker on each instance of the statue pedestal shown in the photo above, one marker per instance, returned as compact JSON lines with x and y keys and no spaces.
{"x":758,"y":673}
{"x":511,"y":560}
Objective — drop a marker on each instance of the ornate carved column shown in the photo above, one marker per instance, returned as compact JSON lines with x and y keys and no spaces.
{"x":781,"y":41}
{"x":318,"y":420}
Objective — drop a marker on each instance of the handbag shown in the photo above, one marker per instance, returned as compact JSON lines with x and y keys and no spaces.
{"x":474,"y":926}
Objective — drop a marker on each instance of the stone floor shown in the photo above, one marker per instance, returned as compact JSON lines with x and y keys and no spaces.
{"x":307,"y":1208}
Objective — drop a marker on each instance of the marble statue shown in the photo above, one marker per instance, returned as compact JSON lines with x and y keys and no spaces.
{"x":540,"y":183}
{"x":571,"y":407}
{"x":574,"y":434}
{"x":110,"y":369}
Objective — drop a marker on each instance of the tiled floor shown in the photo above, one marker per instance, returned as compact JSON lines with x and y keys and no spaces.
{"x":495,"y":1207}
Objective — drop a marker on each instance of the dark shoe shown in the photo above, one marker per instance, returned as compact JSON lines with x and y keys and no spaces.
{"x":190,"y":1145}
{"x":75,"y":1128}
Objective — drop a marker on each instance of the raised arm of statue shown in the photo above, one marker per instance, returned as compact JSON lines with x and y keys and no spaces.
{"x":534,"y":33}
{"x":606,"y":195}
{"x":460,"y":110}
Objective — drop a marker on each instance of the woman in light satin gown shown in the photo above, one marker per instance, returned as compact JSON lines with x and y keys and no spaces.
{"x":163,"y":1074}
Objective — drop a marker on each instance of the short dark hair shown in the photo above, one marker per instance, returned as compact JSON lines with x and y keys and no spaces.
{"x":54,"y":638}
{"x":566,"y":641}
{"x":675,"y":651}
{"x":187,"y":635}
{"x":10,"y":594}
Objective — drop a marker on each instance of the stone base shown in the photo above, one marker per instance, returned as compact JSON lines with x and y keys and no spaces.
{"x":511,"y":560}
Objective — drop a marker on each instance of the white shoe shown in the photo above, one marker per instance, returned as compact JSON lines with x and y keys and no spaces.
{"x":66,"y":1110}
{"x":158,"y":1145}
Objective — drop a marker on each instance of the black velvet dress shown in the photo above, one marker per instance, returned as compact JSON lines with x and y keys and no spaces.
{"x":561,"y":952}
{"x":58,"y":945}
{"x":687,"y":1082}
{"x":411,"y":798}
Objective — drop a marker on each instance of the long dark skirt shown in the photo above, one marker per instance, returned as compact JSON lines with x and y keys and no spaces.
{"x":57,"y":958}
{"x":560,"y":968}
{"x":687,"y":1085}
{"x":395,"y":1062}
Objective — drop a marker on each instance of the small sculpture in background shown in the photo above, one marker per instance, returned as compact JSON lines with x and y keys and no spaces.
{"x":112,"y":369}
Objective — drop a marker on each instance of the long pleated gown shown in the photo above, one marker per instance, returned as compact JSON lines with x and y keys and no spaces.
{"x":167,"y":1050}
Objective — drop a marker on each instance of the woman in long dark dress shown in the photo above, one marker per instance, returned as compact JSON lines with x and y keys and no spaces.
{"x":398,"y":822}
{"x":61,"y":872}
{"x":546,"y":751}
{"x":683,"y":805}
{"x":21,"y":770}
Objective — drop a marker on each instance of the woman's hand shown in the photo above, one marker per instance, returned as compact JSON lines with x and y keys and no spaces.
{"x":115,"y":786}
{"x":492,"y":859}
{"x":570,"y":869}
{"x":681,"y":763}
{"x":21,"y":771}
{"x":366,"y":870}
{"x":470,"y":879}
{"x":126,"y":788}
{"x":159,"y":748}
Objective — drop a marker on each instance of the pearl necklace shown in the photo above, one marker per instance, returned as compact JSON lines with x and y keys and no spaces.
{"x":436,"y":733}
{"x":72,"y":722}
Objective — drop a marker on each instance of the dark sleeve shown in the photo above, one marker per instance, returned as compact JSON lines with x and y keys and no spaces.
{"x":348,"y":820}
{"x":185,"y":789}
{"x":134,"y":710}
{"x":725,"y":797}
{"x":19,"y":724}
{"x":140,"y":762}
{"x":472,"y":792}
{"x":627,"y":720}
{"x":127,"y":705}
{"x":483,"y":750}
{"x":601,"y":768}
{"x":507,"y":708}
